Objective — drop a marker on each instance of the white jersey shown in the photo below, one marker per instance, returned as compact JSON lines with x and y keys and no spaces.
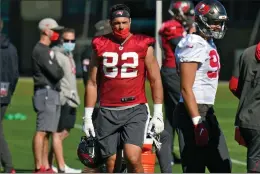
{"x":194,"y":48}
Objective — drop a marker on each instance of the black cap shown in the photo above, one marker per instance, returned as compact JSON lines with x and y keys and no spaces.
{"x":103,"y":27}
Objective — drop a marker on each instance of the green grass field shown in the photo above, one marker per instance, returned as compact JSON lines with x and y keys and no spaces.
{"x":19,"y":133}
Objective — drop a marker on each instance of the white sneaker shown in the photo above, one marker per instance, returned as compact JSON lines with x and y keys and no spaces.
{"x":71,"y":170}
{"x":54,"y":169}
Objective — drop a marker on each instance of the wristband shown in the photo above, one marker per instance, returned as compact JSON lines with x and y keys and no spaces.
{"x":196,"y":120}
{"x":157,"y":108}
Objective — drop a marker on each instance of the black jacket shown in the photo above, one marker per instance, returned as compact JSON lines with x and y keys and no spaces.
{"x":85,"y":61}
{"x":245,"y":84}
{"x":9,"y":67}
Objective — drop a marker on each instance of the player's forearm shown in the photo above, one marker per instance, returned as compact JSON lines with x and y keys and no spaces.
{"x":157,"y":91}
{"x":190,"y":102}
{"x":91,"y":94}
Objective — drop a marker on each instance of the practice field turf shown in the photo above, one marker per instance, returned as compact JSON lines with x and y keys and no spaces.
{"x":19,"y":133}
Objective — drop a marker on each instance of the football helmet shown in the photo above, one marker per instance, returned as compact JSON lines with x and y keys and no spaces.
{"x":156,"y":138}
{"x":182,"y":10}
{"x":211,"y":12}
{"x":89,"y":153}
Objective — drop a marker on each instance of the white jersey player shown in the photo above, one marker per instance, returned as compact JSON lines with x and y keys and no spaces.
{"x":202,"y":143}
{"x":193,"y":48}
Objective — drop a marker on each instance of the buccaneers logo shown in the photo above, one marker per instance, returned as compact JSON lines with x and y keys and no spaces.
{"x":119,"y":13}
{"x":181,"y":5}
{"x":203,"y":8}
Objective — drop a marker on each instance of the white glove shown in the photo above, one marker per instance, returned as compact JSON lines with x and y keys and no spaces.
{"x":88,"y":127}
{"x":157,"y":120}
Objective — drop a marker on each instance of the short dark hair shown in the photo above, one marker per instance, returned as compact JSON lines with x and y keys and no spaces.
{"x":117,"y":7}
{"x":68,"y":30}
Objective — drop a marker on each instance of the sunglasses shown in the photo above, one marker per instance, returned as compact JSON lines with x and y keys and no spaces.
{"x":67,"y":40}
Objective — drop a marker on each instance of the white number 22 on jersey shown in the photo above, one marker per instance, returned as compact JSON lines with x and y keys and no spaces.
{"x":113,"y":64}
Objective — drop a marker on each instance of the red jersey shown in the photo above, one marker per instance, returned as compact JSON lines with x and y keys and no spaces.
{"x":122,"y":71}
{"x":170,"y":29}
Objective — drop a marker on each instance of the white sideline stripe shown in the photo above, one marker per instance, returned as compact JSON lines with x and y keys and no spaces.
{"x":238,"y":162}
{"x":78,"y":126}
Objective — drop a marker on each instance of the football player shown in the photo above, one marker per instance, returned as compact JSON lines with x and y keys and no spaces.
{"x":171,"y":32}
{"x":201,"y":140}
{"x":120,"y":63}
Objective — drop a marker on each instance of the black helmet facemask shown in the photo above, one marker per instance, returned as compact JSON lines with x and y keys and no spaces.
{"x":206,"y":30}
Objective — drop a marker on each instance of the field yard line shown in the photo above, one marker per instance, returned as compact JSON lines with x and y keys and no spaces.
{"x":78,"y":126}
{"x":238,"y":162}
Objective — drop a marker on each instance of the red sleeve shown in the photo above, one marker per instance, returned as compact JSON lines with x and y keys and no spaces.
{"x":97,"y":45}
{"x":233,"y":86}
{"x":171,"y":30}
{"x":257,"y":51}
{"x":150,"y":41}
{"x":143,"y":42}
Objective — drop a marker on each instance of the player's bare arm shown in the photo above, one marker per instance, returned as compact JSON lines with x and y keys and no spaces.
{"x":187,"y":73}
{"x":91,"y":86}
{"x":91,"y":97}
{"x":154,"y":77}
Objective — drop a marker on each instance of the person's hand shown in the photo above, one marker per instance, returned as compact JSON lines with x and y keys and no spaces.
{"x":156,"y":122}
{"x":200,"y":131}
{"x":238,"y":137}
{"x":88,"y":127}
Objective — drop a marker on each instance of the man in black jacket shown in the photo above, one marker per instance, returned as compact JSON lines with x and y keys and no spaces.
{"x":46,"y":100}
{"x":244,"y":84}
{"x":8,"y":79}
